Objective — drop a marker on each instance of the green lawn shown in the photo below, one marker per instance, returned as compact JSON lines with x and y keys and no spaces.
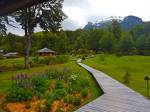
{"x":116,"y":67}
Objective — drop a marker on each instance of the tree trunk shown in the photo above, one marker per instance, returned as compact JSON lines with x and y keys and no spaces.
{"x":27,"y":41}
{"x":27,"y":52}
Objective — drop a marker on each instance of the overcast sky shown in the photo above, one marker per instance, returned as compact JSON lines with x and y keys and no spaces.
{"x":79,"y":12}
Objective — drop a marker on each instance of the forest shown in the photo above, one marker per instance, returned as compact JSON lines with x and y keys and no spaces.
{"x":110,"y":40}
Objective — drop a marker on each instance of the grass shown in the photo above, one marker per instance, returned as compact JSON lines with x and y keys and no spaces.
{"x":11,"y":62}
{"x":116,"y":67}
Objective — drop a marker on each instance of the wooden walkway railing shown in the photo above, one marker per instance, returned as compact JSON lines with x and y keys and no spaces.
{"x":116,"y":98}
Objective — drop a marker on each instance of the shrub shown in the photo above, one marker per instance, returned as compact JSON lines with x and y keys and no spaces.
{"x":127,"y":78}
{"x":74,"y":89}
{"x":55,"y":74}
{"x":49,"y":60}
{"x":19,"y":94}
{"x":35,"y":59}
{"x":39,"y":84}
{"x":66,"y":73}
{"x":60,"y":93}
{"x":73,"y":79}
{"x":21,"y":89}
{"x":52,"y":74}
{"x":49,"y":101}
{"x":76,"y":101}
{"x":84,"y":93}
{"x":24,"y":87}
{"x":62,"y":59}
{"x":59,"y":85}
{"x":119,"y":54}
{"x":68,"y":99}
{"x":54,"y":60}
{"x":83,"y":57}
{"x":84,"y":82}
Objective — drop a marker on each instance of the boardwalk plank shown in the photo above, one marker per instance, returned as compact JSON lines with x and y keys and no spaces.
{"x":116,"y":98}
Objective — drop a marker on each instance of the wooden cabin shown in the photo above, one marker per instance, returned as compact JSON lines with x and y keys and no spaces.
{"x":11,"y":55}
{"x":45,"y":52}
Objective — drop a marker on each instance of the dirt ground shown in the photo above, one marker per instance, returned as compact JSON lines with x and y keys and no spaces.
{"x":32,"y":106}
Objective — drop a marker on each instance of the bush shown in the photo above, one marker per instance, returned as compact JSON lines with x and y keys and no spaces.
{"x":73,"y":79}
{"x":49,"y":101}
{"x":59,"y":85}
{"x":60,"y":93}
{"x":74,"y":89}
{"x":39,"y":84}
{"x":66,"y":73}
{"x":68,"y":99}
{"x":19,"y":94}
{"x":21,"y":89}
{"x":52,"y":74}
{"x":24,"y":87}
{"x":119,"y":54}
{"x":55,"y":74}
{"x":84,"y":82}
{"x":76,"y":101}
{"x":62,"y":59}
{"x":50,"y":60}
{"x":84,"y":93}
{"x":83,"y":57}
{"x":35,"y":59}
{"x":127,"y":78}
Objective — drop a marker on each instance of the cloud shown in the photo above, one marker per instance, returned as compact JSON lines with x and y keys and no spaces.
{"x":70,"y":25}
{"x":76,"y":3}
{"x":15,"y":28}
{"x":82,"y":11}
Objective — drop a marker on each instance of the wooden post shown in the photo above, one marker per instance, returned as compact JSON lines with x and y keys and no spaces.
{"x":148,"y":89}
{"x":146,"y":78}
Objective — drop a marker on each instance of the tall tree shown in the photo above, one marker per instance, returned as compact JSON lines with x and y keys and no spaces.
{"x":126,"y":44}
{"x":116,"y":29}
{"x":107,"y":42}
{"x":143,"y":45}
{"x":93,"y":41}
{"x":48,"y":16}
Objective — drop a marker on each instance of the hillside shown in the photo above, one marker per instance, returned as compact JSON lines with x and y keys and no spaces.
{"x":127,"y":23}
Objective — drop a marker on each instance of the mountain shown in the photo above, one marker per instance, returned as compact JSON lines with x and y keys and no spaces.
{"x":130,"y":22}
{"x":127,"y":23}
{"x":102,"y":24}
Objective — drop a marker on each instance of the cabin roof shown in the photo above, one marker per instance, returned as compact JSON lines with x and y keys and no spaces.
{"x":11,"y":54}
{"x":10,"y":6}
{"x":45,"y":50}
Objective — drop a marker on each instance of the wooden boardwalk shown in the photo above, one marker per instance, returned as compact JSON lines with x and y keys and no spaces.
{"x":116,"y":98}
